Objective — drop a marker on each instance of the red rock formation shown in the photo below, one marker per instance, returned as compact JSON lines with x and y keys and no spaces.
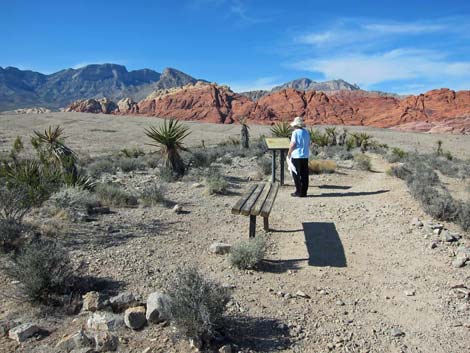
{"x":437,"y":110}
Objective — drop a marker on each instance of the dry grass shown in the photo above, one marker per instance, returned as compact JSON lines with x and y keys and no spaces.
{"x":321,"y":166}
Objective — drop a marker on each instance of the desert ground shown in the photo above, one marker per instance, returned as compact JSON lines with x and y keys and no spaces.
{"x":373,"y":281}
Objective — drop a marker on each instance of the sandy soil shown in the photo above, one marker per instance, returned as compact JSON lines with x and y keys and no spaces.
{"x":349,"y":247}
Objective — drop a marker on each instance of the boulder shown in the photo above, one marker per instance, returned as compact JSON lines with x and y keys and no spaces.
{"x":92,"y":301}
{"x":156,"y":304}
{"x":105,"y":342}
{"x":104,"y":321}
{"x":220,"y":248}
{"x":75,"y":341}
{"x":23,"y":332}
{"x":135,"y":318}
{"x":123,"y":301}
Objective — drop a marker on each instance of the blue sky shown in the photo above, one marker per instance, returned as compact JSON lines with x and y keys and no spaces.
{"x":400,"y":46}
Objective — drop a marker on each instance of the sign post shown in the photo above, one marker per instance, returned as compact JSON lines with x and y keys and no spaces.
{"x":280,"y":144}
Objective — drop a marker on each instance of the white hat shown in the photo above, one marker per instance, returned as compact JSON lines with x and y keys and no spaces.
{"x":298,"y":122}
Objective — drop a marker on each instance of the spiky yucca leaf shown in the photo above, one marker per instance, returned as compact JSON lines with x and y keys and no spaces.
{"x":282,"y":129}
{"x":169,"y":138}
{"x":55,"y":145}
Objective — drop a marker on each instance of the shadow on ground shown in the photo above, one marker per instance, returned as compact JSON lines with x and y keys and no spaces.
{"x":345,"y":194}
{"x":334,"y":187}
{"x":257,"y":333}
{"x":280,"y":266}
{"x":323,"y":245}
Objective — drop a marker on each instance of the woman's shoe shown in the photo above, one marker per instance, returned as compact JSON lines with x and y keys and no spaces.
{"x":294,"y":194}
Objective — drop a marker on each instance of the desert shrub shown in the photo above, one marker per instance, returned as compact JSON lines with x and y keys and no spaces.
{"x":197,"y":304}
{"x":264,"y":165}
{"x":350,"y":143}
{"x":318,"y":166}
{"x":152,"y":195}
{"x":464,"y":216}
{"x":130,"y":164}
{"x":334,"y":152}
{"x":247,"y":254}
{"x":226,"y":160}
{"x":75,"y":201}
{"x":400,"y":172}
{"x":14,"y":204}
{"x":200,"y":159}
{"x":100,"y":166}
{"x":167,"y":175}
{"x":133,"y":152}
{"x":318,"y":138}
{"x":362,"y":161}
{"x":113,"y":195}
{"x":43,"y":268}
{"x":440,"y":205}
{"x":216,"y":184}
{"x":282,"y":129}
{"x":396,"y":155}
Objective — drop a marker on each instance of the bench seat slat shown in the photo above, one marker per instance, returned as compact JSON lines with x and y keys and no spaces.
{"x":268,"y":205}
{"x":241,"y":202}
{"x":256,"y":209}
{"x":246,"y":209}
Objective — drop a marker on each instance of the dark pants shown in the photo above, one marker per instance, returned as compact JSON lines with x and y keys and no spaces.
{"x":301,"y":178}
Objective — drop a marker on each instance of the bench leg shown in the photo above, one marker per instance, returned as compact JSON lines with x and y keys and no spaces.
{"x":266,"y":223}
{"x":252,"y":226}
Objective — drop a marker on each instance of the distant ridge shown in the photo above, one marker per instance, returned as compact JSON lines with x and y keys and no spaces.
{"x":305,"y":84}
{"x":24,"y":88}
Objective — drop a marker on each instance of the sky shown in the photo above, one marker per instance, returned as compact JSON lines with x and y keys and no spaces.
{"x":404,"y":47}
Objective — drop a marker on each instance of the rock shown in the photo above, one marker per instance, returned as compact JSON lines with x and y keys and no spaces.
{"x":225,"y":349}
{"x":177,"y":209}
{"x":301,"y":294}
{"x":104,"y":321}
{"x":195,"y":343}
{"x":396,"y":332}
{"x":416,"y":222}
{"x":220,"y":248}
{"x":123,"y":301}
{"x":340,"y":303}
{"x":23,"y":332}
{"x":437,"y":231}
{"x":134,"y":318}
{"x":433,"y":245}
{"x":105,"y":342}
{"x":75,"y":341}
{"x":448,"y":237}
{"x":459,"y":262}
{"x":410,"y":293}
{"x":127,"y":106}
{"x":92,"y":301}
{"x":463,"y":252}
{"x":196,"y":185}
{"x":156,"y":304}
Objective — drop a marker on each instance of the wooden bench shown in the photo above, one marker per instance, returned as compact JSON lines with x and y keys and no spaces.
{"x":258,"y":201}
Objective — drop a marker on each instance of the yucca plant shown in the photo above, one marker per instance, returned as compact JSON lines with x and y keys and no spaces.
{"x":318,"y":138}
{"x":282,"y":129}
{"x":244,"y":133}
{"x":331,"y":133}
{"x":169,"y":138}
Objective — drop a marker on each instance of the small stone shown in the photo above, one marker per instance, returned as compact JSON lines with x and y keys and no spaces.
{"x":74,"y":341}
{"x":147,"y":350}
{"x":134,"y":318}
{"x":104,"y":321}
{"x":92,"y":301}
{"x":23,"y":332}
{"x":340,"y":303}
{"x":195,"y":343}
{"x":448,"y":237}
{"x":459,"y":262}
{"x":396,"y":332}
{"x":122,"y":301}
{"x":410,"y":293}
{"x":416,"y":222}
{"x":196,"y":185}
{"x":433,"y":245}
{"x":156,"y":304}
{"x":437,"y":231}
{"x":226,"y":349}
{"x":301,"y":294}
{"x":105,"y":342}
{"x":331,"y":346}
{"x":220,"y":248}
{"x":177,"y":209}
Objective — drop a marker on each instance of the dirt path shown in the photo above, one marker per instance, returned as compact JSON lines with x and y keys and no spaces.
{"x":350,"y":247}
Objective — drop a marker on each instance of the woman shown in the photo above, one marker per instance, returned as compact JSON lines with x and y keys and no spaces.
{"x":298,"y":152}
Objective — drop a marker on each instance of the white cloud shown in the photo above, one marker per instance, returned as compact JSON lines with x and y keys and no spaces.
{"x":404,"y":28}
{"x":261,"y":83}
{"x":394,"y":65}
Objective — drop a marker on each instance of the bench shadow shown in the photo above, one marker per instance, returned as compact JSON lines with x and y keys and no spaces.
{"x":323,"y":245}
{"x":345,"y":194}
{"x":257,"y":334}
{"x":285,"y":230}
{"x":279,"y":266}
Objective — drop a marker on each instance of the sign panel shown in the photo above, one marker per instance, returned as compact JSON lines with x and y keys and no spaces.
{"x":277,"y":143}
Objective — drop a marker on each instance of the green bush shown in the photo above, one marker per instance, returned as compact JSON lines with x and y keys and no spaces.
{"x":247,"y":254}
{"x":167,"y":175}
{"x":396,"y":155}
{"x":133,"y":152}
{"x":152,"y":195}
{"x":43,"y":268}
{"x":75,"y":201}
{"x":264,"y":165}
{"x":130,"y":164}
{"x":216,"y":184}
{"x":197,"y":304}
{"x":200,"y":159}
{"x":464,"y":216}
{"x":113,"y":195}
{"x":362,"y":161}
{"x":100,"y":166}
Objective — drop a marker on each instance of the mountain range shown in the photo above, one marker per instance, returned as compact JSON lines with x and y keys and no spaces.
{"x":24,"y":88}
